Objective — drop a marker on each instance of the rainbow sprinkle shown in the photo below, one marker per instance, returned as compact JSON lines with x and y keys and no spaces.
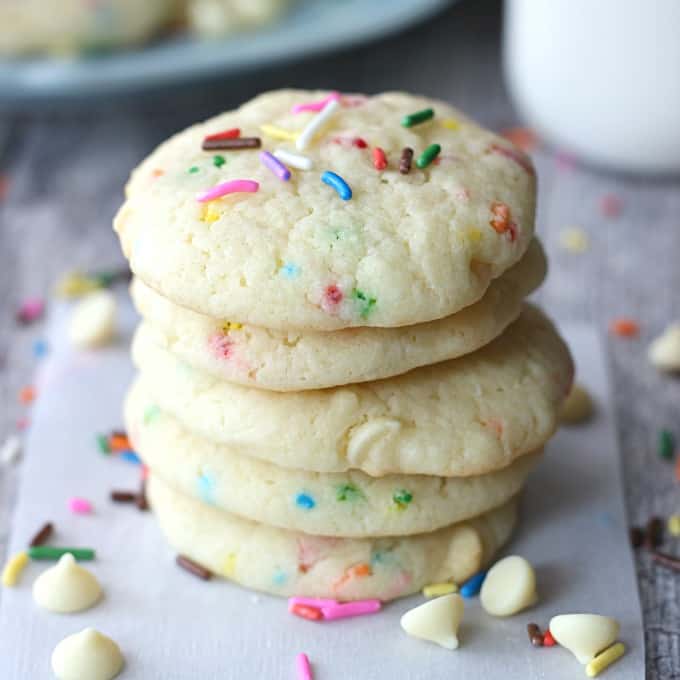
{"x":315,"y":125}
{"x":338,"y":183}
{"x":417,"y":118}
{"x":317,"y":105}
{"x":295,"y":160}
{"x":275,"y":165}
{"x":233,"y":186}
{"x":428,"y":155}
{"x":305,"y":501}
{"x":304,"y":670}
{"x":276,"y":132}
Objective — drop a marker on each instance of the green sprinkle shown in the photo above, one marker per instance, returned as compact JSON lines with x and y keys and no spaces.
{"x":219,"y":161}
{"x":366,"y":303}
{"x":104,"y":279}
{"x":666,"y":445}
{"x":428,"y":155}
{"x":417,"y":118}
{"x":151,"y":413}
{"x":349,"y":492}
{"x":193,"y":169}
{"x":47,"y":552}
{"x":402,"y":498}
{"x":103,"y":444}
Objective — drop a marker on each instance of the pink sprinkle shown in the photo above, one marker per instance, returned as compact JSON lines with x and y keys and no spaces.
{"x":304,"y":670}
{"x":221,"y":345}
{"x":332,"y":295}
{"x":30,"y":310}
{"x":348,"y":609}
{"x":317,"y":105}
{"x":611,"y":205}
{"x":234,"y":186}
{"x":316,"y":602}
{"x":514,"y":155}
{"x":79,"y":506}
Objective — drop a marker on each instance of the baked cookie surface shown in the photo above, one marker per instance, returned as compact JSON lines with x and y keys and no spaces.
{"x":328,"y":504}
{"x":466,"y":416}
{"x":290,"y":563}
{"x":293,"y":360}
{"x":405,"y":249}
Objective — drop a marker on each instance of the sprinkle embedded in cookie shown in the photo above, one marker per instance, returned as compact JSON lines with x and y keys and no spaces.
{"x":419,"y":237}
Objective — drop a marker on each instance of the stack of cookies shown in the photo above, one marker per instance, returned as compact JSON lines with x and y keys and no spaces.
{"x":341,"y":390}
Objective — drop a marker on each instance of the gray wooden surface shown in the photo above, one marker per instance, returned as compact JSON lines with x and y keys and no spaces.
{"x":66,"y":169}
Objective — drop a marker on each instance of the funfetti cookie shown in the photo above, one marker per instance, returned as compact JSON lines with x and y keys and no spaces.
{"x":466,"y":416}
{"x":330,"y":504}
{"x":329,"y":212}
{"x":292,"y":563}
{"x":302,"y":360}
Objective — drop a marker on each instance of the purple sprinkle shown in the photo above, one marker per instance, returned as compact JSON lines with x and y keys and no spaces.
{"x":275,"y":165}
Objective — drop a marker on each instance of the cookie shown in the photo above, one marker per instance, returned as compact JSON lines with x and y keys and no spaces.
{"x":292,"y":360}
{"x":404,"y":249}
{"x":330,"y":504}
{"x":67,"y":26}
{"x":462,"y":417}
{"x":290,"y":563}
{"x":216,"y":18}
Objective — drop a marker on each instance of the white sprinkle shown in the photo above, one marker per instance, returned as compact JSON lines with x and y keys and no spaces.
{"x":295,"y":160}
{"x":314,"y":125}
{"x":10,"y":450}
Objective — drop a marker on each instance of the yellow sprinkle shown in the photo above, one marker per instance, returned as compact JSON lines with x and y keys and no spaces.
{"x":474,"y":235}
{"x":450,"y":124}
{"x":575,"y":240}
{"x":13,"y":569}
{"x":674,"y":525}
{"x":437,"y":589}
{"x":232,"y":326}
{"x":75,"y":285}
{"x":229,"y":566}
{"x":210,"y":213}
{"x":278,"y":133}
{"x":605,"y":659}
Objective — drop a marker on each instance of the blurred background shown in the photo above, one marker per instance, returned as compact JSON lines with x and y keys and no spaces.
{"x":590,"y":89}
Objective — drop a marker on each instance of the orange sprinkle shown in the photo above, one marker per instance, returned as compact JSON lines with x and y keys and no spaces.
{"x":157,"y":172}
{"x":501,"y":217}
{"x":27,"y":394}
{"x":309,"y":613}
{"x":119,"y":442}
{"x":357,"y":571}
{"x":523,"y":138}
{"x":625,"y":328}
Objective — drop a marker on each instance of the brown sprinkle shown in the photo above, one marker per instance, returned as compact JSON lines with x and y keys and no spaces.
{"x":653,"y":533}
{"x":123,"y":496}
{"x":193,"y":568}
{"x":43,"y":535}
{"x":231,"y":144}
{"x":535,"y":635}
{"x":140,"y":498}
{"x":405,"y":160}
{"x":666,"y":560}
{"x":637,"y":537}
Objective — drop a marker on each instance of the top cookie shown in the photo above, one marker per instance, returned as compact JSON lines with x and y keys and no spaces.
{"x":404,"y":249}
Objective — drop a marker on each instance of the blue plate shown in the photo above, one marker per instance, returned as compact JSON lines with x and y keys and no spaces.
{"x":312,"y":27}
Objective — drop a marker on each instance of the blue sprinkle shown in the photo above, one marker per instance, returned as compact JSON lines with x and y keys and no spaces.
{"x":206,"y":488}
{"x":290,"y":270}
{"x":130,"y":457}
{"x":40,"y":348}
{"x":304,"y":500}
{"x":337,"y":183}
{"x":279,"y":577}
{"x":473,"y":585}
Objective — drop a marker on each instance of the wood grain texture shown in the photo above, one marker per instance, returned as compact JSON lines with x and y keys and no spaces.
{"x":67,"y":168}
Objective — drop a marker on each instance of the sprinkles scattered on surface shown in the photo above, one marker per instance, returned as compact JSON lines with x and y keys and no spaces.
{"x":275,"y":165}
{"x":219,"y":161}
{"x":234,"y":186}
{"x":193,"y":567}
{"x":46,"y":552}
{"x":666,"y":445}
{"x":225,"y":134}
{"x":316,"y":124}
{"x":231,"y":144}
{"x":402,"y":498}
{"x":79,"y":506}
{"x":42,"y":535}
{"x":405,"y":160}
{"x":430,"y":153}
{"x":338,"y":183}
{"x":316,"y":105}
{"x":295,"y":160}
{"x":30,"y":310}
{"x":276,"y":132}
{"x":417,"y":118}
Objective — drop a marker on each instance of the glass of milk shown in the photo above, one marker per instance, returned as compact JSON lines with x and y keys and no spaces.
{"x":599,"y":77}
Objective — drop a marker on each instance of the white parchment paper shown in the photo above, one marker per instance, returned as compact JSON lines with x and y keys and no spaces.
{"x":172,"y":626}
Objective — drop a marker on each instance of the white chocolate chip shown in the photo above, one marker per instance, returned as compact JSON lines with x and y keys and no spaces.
{"x":93,"y":322}
{"x":664,"y":352}
{"x":66,"y":587}
{"x":87,"y":654}
{"x":509,"y":587}
{"x":585,"y":635}
{"x":437,"y":620}
{"x":577,"y":407}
